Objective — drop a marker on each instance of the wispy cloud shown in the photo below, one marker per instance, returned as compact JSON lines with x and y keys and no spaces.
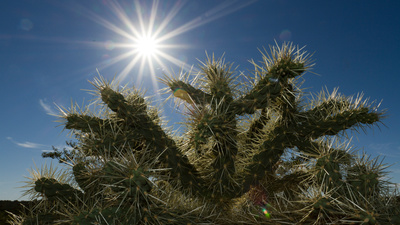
{"x":26,"y":144}
{"x":46,"y":107}
{"x":380,"y":146}
{"x":384,"y":148}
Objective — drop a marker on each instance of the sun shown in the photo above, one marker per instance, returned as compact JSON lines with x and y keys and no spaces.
{"x":145,"y":38}
{"x":147,"y":46}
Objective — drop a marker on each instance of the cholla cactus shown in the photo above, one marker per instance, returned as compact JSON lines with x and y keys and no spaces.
{"x":232,"y":163}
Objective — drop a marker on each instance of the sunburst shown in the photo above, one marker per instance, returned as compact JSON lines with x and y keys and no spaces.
{"x":145,"y":45}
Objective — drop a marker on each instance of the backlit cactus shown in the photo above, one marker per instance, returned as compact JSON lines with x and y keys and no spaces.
{"x":231,"y":165}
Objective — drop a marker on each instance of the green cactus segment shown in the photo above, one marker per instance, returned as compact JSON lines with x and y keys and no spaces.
{"x":224,"y":170}
{"x":80,"y":174}
{"x":366,"y":183}
{"x":395,"y":219}
{"x":162,"y":215}
{"x":221,"y":92}
{"x":263,"y":163}
{"x":367,"y":218}
{"x":323,"y":204}
{"x":286,"y":68}
{"x":269,"y":153}
{"x":203,"y":130}
{"x":184,"y":171}
{"x":256,"y":127}
{"x":139,"y":179}
{"x":54,"y":190}
{"x":86,"y":218}
{"x":258,"y":98}
{"x":87,"y":179}
{"x":108,"y":143}
{"x":134,"y":114}
{"x":85,"y":123}
{"x":308,"y":147}
{"x":132,"y":182}
{"x":333,"y":124}
{"x":218,"y":77}
{"x":285,"y":62}
{"x":116,"y":102}
{"x":328,"y":169}
{"x":115,"y":215}
{"x":111,"y":215}
{"x":113,"y":172}
{"x":325,"y":108}
{"x":41,"y":219}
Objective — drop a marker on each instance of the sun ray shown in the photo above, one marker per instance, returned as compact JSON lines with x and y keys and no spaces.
{"x":141,"y":68}
{"x":153,"y":74}
{"x":124,"y":18}
{"x":175,"y":61}
{"x":105,"y":23}
{"x":211,"y":15}
{"x":129,"y":67}
{"x":146,"y":33}
{"x":178,"y":6}
{"x":152,"y":19}
{"x":160,"y":62}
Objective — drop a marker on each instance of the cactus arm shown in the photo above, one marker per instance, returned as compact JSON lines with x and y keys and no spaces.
{"x":333,"y":113}
{"x":131,"y":112}
{"x":324,"y":108}
{"x":218,"y":122}
{"x":341,"y":121}
{"x":224,"y":165}
{"x":84,"y":123}
{"x":269,"y":153}
{"x":218,"y":78}
{"x":103,"y":140}
{"x":311,"y":149}
{"x":101,"y":144}
{"x":222,"y":129}
{"x":182,"y":169}
{"x":290,"y":181}
{"x":222,"y":125}
{"x":258,"y":98}
{"x":53,"y":190}
{"x":255,"y":129}
{"x":135,"y":116}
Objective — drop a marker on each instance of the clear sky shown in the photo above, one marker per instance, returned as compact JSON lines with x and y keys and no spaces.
{"x":50,"y":49}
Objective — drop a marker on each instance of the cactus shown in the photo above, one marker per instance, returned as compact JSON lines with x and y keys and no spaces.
{"x":231,"y":165}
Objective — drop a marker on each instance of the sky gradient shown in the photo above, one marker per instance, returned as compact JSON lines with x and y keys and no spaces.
{"x":50,"y":49}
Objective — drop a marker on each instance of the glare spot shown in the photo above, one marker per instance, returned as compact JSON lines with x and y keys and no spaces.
{"x":109,"y":45}
{"x":26,"y":24}
{"x":285,"y":35}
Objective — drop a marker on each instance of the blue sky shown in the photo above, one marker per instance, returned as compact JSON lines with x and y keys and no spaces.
{"x":50,"y":49}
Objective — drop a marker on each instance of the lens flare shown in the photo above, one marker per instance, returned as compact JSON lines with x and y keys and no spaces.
{"x":266,"y":213}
